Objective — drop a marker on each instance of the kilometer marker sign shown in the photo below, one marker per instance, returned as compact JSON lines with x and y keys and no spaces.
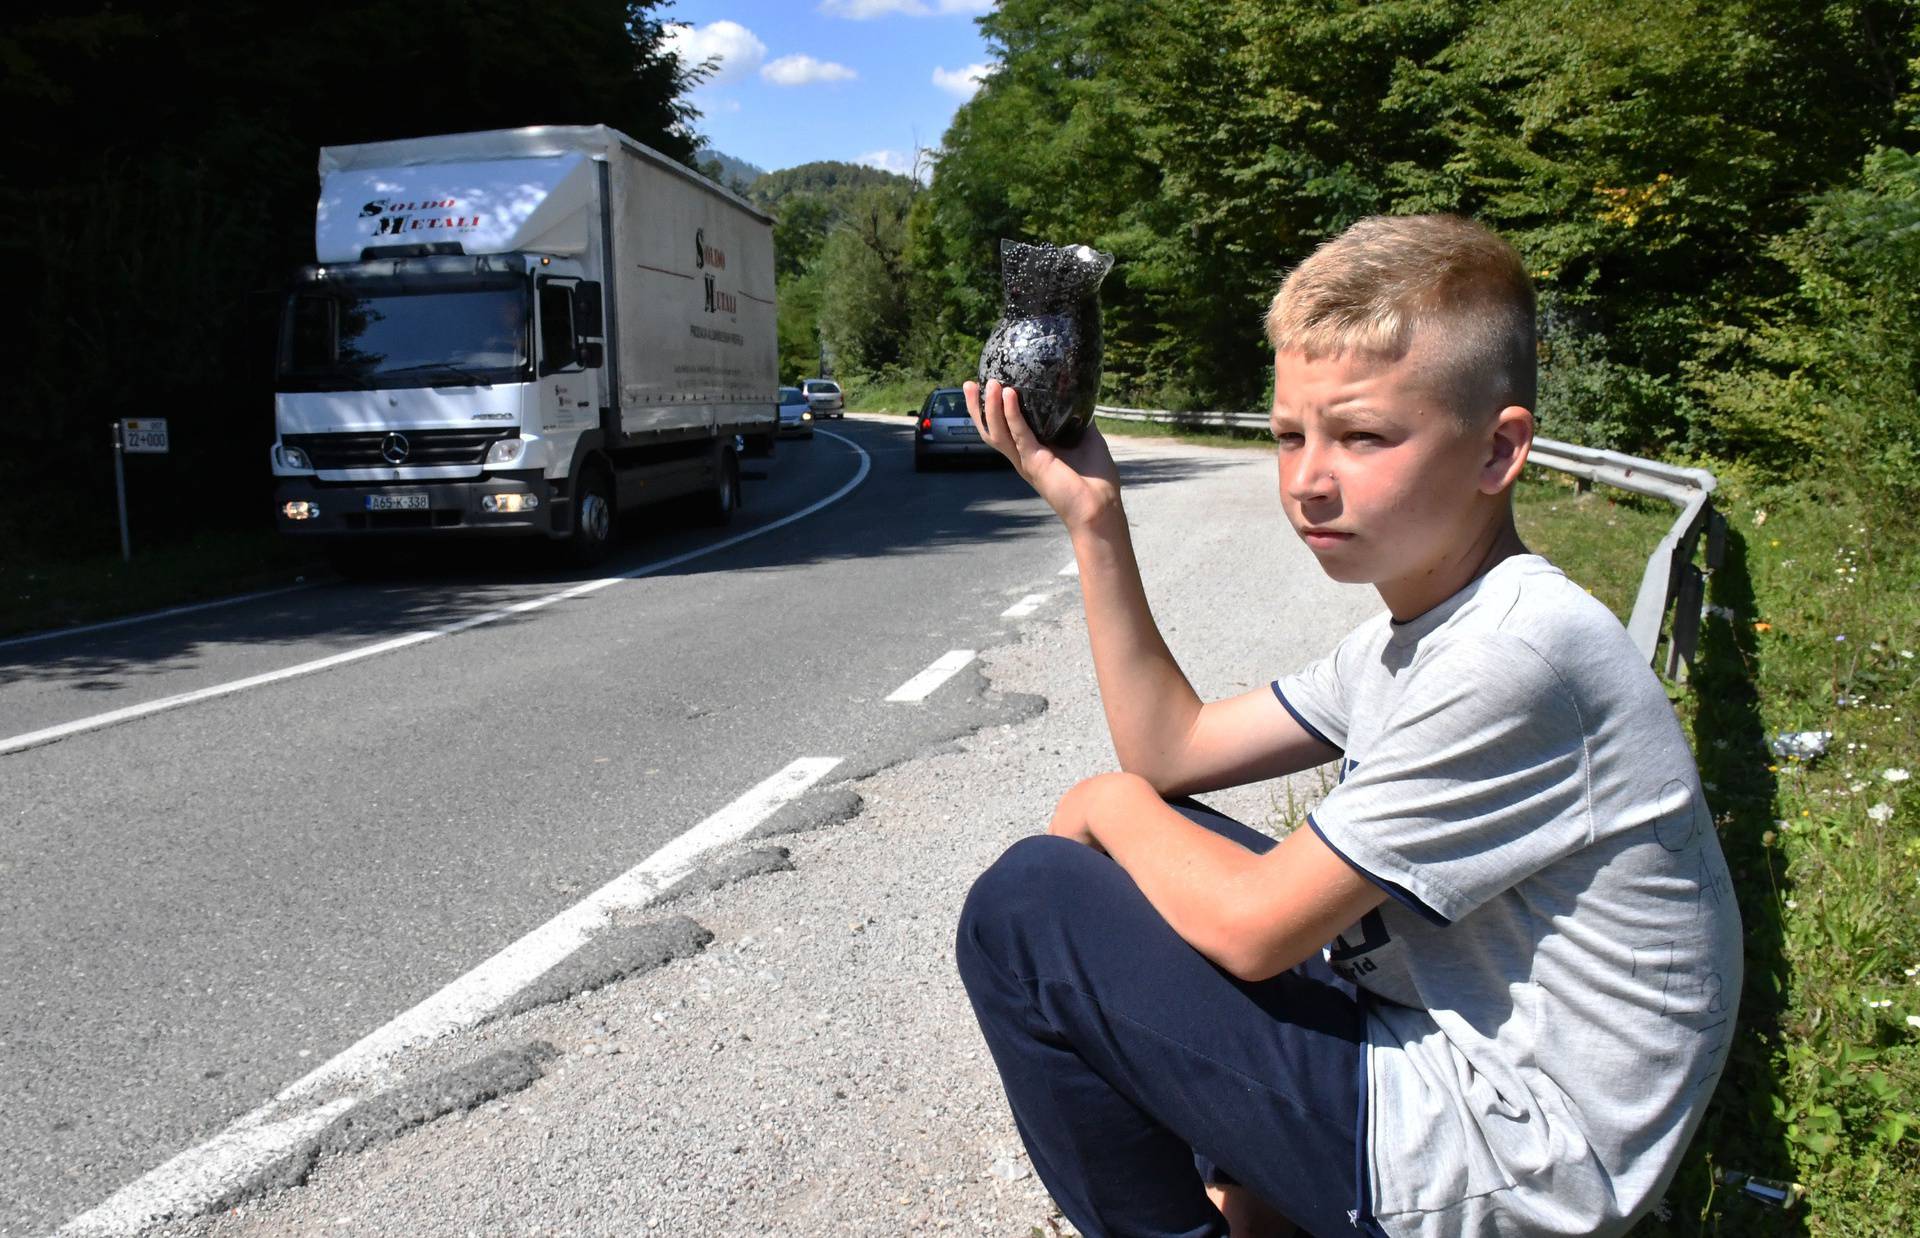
{"x":144,"y":436}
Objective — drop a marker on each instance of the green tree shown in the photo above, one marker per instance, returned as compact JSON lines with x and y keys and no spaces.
{"x":864,"y":281}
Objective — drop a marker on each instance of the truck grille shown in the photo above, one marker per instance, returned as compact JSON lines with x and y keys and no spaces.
{"x":363,"y":449}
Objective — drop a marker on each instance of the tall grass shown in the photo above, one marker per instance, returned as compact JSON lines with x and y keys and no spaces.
{"x":1814,"y":624}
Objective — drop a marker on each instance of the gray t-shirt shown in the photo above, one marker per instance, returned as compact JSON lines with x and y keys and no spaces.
{"x":1554,"y":977}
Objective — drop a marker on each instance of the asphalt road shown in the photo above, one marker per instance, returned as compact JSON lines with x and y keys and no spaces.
{"x":198,"y":906}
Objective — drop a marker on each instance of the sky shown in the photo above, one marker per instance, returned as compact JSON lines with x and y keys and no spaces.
{"x":864,"y":81}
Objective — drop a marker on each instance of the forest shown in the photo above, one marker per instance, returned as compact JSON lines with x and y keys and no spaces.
{"x":1717,"y":201}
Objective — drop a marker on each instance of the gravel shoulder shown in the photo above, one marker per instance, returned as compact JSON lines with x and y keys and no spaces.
{"x":814,"y":1069}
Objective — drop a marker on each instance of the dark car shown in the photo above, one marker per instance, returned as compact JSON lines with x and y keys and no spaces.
{"x":944,"y":431}
{"x":796,"y":414}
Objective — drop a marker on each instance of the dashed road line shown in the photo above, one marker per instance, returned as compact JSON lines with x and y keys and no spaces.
{"x":189,"y":1182}
{"x":1025,"y":606}
{"x":52,"y":734}
{"x":944,"y":668}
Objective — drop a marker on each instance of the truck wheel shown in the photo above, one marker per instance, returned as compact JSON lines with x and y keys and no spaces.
{"x":593,"y":517}
{"x":724,"y":499}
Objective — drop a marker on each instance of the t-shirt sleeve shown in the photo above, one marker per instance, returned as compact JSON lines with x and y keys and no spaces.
{"x":1316,"y":697}
{"x":1477,"y":779}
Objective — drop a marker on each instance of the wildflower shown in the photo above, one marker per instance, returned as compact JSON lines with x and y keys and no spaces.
{"x":1882,"y":1004}
{"x":1896,"y":774}
{"x":1881,"y":812}
{"x":1792,"y":906}
{"x":1774,"y":543}
{"x":1913,"y":1020}
{"x":1759,"y":517}
{"x":1840,"y":639}
{"x":1913,"y":971}
{"x":1763,"y":627}
{"x":1906,"y":653}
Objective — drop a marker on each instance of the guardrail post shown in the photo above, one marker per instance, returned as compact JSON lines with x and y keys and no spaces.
{"x":1686,"y":622}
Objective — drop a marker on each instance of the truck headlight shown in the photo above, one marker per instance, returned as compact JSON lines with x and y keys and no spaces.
{"x":300,"y":509}
{"x":509,"y":502}
{"x":293,"y":458}
{"x":506,"y":451}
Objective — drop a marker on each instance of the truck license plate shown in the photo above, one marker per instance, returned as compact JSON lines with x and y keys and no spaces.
{"x":396,"y":502}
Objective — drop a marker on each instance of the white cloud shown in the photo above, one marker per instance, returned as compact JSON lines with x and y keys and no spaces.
{"x":861,"y":10}
{"x":738,"y":49}
{"x":963,"y":82}
{"x":803,"y":70}
{"x":887,"y":161}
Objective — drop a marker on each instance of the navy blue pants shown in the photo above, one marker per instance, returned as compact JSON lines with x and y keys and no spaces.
{"x":1137,"y":1069}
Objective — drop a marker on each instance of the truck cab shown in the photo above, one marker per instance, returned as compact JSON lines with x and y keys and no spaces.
{"x":519,"y":332}
{"x":456,"y":375}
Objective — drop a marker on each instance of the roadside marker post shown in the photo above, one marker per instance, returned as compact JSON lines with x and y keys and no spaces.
{"x":140,"y":436}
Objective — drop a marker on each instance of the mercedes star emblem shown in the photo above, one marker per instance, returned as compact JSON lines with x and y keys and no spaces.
{"x":394,"y":448}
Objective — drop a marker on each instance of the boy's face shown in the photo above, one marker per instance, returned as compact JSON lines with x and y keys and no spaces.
{"x":1381,"y":480}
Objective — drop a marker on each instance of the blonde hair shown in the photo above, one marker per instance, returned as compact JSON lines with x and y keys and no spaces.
{"x":1371,"y":288}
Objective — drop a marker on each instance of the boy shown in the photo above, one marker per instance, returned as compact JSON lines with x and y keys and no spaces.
{"x":1532,"y":956}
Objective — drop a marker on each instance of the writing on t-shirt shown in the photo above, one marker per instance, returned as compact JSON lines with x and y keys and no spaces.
{"x":1349,"y":959}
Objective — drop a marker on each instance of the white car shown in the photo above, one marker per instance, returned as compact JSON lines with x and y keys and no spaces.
{"x":796,"y":414}
{"x":824,"y":397}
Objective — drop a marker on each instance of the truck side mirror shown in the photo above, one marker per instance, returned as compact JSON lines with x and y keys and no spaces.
{"x":593,"y":354}
{"x":587,"y":313}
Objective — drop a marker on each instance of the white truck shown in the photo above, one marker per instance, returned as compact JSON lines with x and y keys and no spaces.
{"x":519,"y":332}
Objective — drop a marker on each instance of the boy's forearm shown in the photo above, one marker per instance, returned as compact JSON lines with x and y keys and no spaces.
{"x":1149,"y":704}
{"x":1253,"y":914}
{"x":1196,"y":879}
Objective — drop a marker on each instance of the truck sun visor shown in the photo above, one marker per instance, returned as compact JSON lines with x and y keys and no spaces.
{"x":539,"y":204}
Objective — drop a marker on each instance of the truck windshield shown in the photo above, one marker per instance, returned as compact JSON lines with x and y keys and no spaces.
{"x":368,"y":335}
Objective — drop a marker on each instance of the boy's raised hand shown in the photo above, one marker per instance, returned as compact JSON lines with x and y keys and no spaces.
{"x":1078,"y":482}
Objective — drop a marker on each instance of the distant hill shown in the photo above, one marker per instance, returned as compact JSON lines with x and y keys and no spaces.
{"x":828,"y":178}
{"x":736,"y":174}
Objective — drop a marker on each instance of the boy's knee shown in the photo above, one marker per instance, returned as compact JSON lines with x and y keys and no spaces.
{"x":1033,"y":881}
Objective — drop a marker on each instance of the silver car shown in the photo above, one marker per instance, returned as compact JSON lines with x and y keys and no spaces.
{"x":824,"y":395}
{"x":796,"y":414}
{"x":944,"y":431}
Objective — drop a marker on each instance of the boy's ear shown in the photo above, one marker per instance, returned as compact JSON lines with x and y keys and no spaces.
{"x":1509,"y":440}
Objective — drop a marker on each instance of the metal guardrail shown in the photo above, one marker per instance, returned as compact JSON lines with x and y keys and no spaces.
{"x":1671,"y":581}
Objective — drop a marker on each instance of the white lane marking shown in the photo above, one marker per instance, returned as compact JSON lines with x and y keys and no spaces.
{"x":198,"y":1176}
{"x":48,"y":735}
{"x":1071,"y":569}
{"x":943,"y":669}
{"x":58,"y":633}
{"x":1025,"y":606}
{"x":481,"y":991}
{"x":188,"y":1182}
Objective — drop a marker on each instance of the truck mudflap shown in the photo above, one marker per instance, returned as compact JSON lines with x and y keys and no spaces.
{"x":497,"y":505}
